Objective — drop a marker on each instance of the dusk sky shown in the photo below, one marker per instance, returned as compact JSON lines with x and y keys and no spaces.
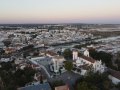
{"x":59,"y":11}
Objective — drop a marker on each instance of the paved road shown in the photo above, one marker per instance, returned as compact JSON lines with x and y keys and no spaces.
{"x":68,"y":77}
{"x":44,"y":73}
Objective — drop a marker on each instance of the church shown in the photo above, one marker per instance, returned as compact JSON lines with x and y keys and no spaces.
{"x":85,"y":63}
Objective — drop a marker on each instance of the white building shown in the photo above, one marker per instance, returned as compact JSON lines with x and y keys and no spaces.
{"x":85,"y":63}
{"x":114,"y":76}
{"x":5,"y":60}
{"x":48,"y":53}
{"x":75,"y":55}
{"x":57,"y":62}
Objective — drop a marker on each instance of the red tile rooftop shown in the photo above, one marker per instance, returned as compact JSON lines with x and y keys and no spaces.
{"x":114,"y":73}
{"x":88,"y":59}
{"x":75,"y":50}
{"x":9,"y":49}
{"x":65,"y":87}
{"x":35,"y":65}
{"x":28,"y":65}
{"x":48,"y":52}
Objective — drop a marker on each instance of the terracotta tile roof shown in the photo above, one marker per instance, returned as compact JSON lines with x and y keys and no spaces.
{"x":88,"y":59}
{"x":48,"y":52}
{"x":114,"y":73}
{"x":35,"y":65}
{"x":9,"y":49}
{"x":28,"y":65}
{"x":75,"y":50}
{"x":65,"y":87}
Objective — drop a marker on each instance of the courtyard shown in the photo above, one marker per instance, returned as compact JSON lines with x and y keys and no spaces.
{"x":68,"y":77}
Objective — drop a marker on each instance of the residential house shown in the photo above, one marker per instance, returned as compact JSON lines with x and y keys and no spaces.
{"x":64,"y":87}
{"x":114,"y":76}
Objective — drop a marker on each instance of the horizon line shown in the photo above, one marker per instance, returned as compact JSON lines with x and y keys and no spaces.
{"x":52,"y":23}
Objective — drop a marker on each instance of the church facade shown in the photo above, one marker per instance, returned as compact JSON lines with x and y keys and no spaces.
{"x":85,"y":63}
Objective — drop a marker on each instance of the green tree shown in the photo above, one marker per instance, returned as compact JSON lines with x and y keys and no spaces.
{"x":19,"y":73}
{"x":92,"y":87}
{"x":25,"y":54}
{"x":118,"y":86}
{"x":21,"y":81}
{"x":7,"y":43}
{"x":90,"y":71}
{"x":36,"y":54}
{"x":118,"y":53}
{"x":60,"y":71}
{"x":29,"y":71}
{"x":106,"y":85}
{"x":93,"y":53}
{"x":103,"y":56}
{"x":86,"y":86}
{"x":78,"y":46}
{"x":68,"y":65}
{"x":9,"y":87}
{"x":118,"y":64}
{"x":106,"y":58}
{"x":2,"y":51}
{"x":78,"y":70}
{"x":59,"y":52}
{"x":79,"y":54}
{"x":78,"y":80}
{"x":56,"y":83}
{"x":83,"y":86}
{"x":28,"y":47}
{"x":67,"y":53}
{"x":6,"y":65}
{"x":34,"y":36}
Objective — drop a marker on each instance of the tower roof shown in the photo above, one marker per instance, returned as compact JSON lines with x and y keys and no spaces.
{"x":75,"y":50}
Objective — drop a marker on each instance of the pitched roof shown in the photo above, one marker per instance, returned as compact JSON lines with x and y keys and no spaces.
{"x":35,"y":65}
{"x":75,"y":50}
{"x":114,"y":73}
{"x":65,"y":87}
{"x":86,"y":67}
{"x":9,"y":49}
{"x":48,"y":52}
{"x":88,"y":59}
{"x":28,"y":65}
